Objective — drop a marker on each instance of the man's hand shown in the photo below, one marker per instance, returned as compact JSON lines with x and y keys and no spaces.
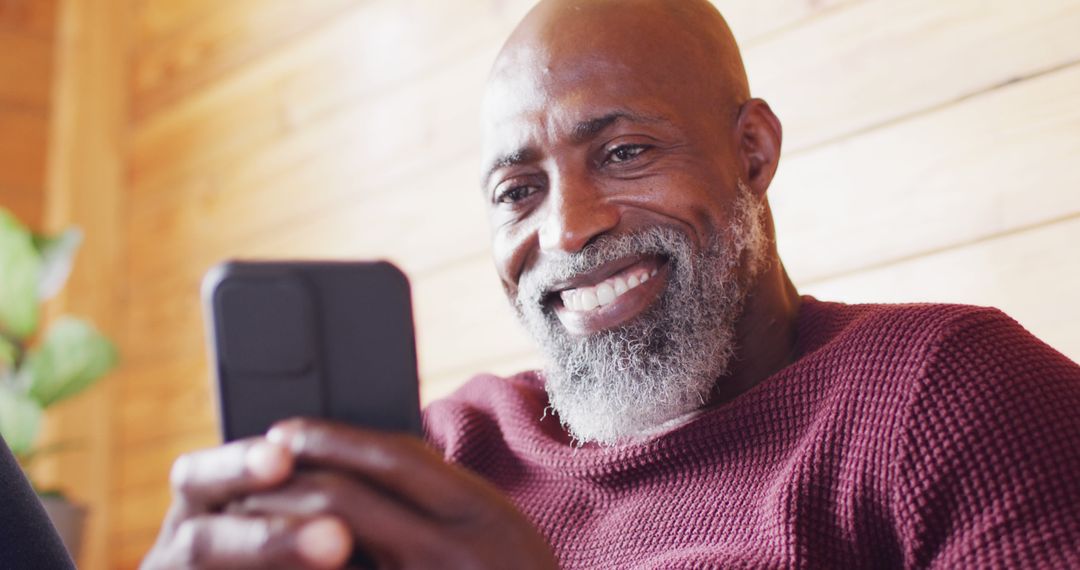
{"x":402,"y":503}
{"x":198,"y":534}
{"x":308,"y":492}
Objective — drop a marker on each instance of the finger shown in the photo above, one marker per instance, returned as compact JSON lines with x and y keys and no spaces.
{"x":223,"y":541}
{"x":378,"y":522}
{"x":204,"y":480}
{"x":398,"y":463}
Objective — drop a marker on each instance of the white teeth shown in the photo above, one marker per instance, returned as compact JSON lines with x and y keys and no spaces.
{"x":588,"y":300}
{"x":605,"y":293}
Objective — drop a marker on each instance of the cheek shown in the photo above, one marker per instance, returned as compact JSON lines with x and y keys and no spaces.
{"x":512,"y":247}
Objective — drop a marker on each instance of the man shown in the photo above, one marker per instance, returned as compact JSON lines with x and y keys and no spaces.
{"x":695,"y":412}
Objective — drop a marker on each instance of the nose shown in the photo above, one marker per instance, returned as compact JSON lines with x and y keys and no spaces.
{"x":578,"y":212}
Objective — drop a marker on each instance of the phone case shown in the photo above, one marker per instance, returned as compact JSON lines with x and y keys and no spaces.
{"x":329,"y":340}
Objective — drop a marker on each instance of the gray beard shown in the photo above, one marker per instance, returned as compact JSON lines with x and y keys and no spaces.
{"x":624,"y":383}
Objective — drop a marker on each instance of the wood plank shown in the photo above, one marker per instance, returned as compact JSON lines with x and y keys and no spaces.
{"x":26,"y":204}
{"x":85,"y":186}
{"x":991,"y":164}
{"x":31,"y":17}
{"x":421,"y":130}
{"x":1031,"y":275}
{"x":224,"y":38}
{"x":314,"y":75}
{"x":880,"y":60}
{"x":156,"y":20}
{"x":25,"y":71}
{"x":164,"y":400}
{"x":754,"y":22}
{"x":23,"y":136}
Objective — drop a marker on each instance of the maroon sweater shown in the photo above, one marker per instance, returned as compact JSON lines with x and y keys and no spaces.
{"x":904,"y":436}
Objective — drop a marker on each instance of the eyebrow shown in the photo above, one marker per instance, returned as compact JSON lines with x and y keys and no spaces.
{"x":579,"y":133}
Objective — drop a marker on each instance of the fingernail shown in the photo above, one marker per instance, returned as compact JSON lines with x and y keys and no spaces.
{"x":267,"y":461}
{"x":324,"y":543}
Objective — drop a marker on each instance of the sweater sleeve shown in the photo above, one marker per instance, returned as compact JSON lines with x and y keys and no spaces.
{"x":989,"y":470}
{"x":27,"y":537}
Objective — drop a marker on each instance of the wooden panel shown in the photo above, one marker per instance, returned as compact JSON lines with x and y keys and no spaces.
{"x":754,"y":22}
{"x":394,"y":151}
{"x":369,"y":49}
{"x":23,"y":135}
{"x":25,"y":70}
{"x":1033,"y":276}
{"x":85,"y":186}
{"x":156,"y":20}
{"x":880,"y":60}
{"x":33,"y":17}
{"x":163,"y":400}
{"x":228,"y":36}
{"x":991,"y":164}
{"x":27,"y":204}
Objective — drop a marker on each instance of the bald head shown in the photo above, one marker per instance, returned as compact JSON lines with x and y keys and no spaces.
{"x":680,"y":45}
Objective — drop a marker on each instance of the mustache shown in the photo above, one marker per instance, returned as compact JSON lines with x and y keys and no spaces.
{"x":535,"y":285}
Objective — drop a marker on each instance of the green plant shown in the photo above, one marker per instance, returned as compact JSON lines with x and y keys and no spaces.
{"x":39,"y":369}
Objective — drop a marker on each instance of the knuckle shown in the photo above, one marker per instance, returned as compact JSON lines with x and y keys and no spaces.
{"x":180,"y":474}
{"x":187,"y":543}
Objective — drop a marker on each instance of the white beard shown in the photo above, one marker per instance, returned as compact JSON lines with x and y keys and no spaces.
{"x":623,"y":383}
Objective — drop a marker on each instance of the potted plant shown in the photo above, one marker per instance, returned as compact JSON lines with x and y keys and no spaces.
{"x":40,"y":366}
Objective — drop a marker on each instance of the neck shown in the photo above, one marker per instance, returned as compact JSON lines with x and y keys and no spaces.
{"x":765,"y":332}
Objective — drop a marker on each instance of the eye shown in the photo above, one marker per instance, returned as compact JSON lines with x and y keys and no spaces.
{"x":625,"y":153}
{"x":515,"y":194}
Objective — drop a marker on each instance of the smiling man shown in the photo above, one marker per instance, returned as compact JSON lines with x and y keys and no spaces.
{"x":695,"y":411}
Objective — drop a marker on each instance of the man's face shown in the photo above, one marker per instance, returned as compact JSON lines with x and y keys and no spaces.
{"x":620,"y":232}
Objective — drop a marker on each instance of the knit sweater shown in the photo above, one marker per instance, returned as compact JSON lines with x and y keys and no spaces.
{"x":904,"y":436}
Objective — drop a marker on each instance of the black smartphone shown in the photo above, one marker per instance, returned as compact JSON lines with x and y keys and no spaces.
{"x":329,"y":340}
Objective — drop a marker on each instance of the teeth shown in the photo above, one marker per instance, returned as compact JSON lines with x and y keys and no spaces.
{"x":588,"y":300}
{"x":604,"y":293}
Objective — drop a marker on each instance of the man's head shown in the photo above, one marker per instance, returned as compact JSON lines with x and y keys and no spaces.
{"x":625,"y":171}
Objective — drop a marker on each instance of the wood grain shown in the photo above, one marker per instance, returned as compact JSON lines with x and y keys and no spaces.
{"x":85,"y":187}
{"x":1031,"y":275}
{"x":878,"y":61}
{"x":29,"y":17}
{"x":23,"y":135}
{"x":990,"y":164}
{"x":25,"y":70}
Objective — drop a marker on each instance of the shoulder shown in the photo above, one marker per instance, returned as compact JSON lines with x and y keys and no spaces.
{"x":487,"y":410}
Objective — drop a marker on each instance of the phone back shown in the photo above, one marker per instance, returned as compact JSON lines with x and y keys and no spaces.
{"x":329,"y":340}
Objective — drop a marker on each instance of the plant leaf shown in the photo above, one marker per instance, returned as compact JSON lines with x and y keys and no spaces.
{"x":8,"y":354}
{"x":20,"y":420}
{"x":21,"y":267}
{"x":57,"y":257}
{"x":73,"y":356}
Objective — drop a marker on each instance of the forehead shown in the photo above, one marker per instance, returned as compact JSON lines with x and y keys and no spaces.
{"x":535,"y":96}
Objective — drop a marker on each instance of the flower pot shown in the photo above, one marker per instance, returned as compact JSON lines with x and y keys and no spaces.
{"x":68,"y":518}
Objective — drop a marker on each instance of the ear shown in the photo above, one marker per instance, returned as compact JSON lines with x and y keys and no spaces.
{"x":759,"y":138}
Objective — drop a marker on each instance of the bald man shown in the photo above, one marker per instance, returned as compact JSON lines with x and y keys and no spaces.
{"x":695,"y":410}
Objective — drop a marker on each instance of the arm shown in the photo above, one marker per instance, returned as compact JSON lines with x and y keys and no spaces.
{"x":989,"y":472}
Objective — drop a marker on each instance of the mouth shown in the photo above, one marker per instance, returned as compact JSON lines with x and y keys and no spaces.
{"x":610,"y":295}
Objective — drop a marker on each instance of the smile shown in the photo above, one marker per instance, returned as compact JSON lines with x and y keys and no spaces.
{"x":610,"y":295}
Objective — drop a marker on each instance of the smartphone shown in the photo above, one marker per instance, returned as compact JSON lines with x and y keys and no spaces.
{"x":330,"y":340}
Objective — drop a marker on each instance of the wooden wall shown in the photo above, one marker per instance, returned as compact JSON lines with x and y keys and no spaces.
{"x":27,"y":29}
{"x":929,"y":155}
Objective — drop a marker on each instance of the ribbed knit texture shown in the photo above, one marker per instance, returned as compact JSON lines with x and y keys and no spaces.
{"x":903,"y":436}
